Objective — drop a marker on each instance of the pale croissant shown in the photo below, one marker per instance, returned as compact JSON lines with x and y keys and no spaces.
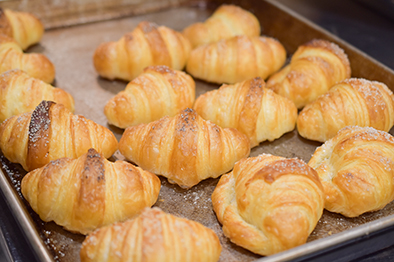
{"x":152,"y":236}
{"x":35,"y":65}
{"x":157,"y":92}
{"x":356,"y":168}
{"x":51,"y":132}
{"x":148,"y":44}
{"x":89,"y":192}
{"x":21,"y":93}
{"x":269,"y":204}
{"x":249,"y":107}
{"x":236,"y":59}
{"x":227,"y":21}
{"x":185,"y":148}
{"x":314,"y":68}
{"x":353,"y":101}
{"x":24,"y":27}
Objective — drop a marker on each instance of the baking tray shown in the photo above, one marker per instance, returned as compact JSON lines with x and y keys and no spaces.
{"x":71,"y":50}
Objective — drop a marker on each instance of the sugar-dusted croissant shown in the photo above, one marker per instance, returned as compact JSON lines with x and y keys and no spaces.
{"x":21,"y":93}
{"x":185,"y":148}
{"x":314,"y":68}
{"x":89,"y":192}
{"x":268,"y":204}
{"x":351,"y":102}
{"x":236,"y":59}
{"x":35,"y":65}
{"x":227,"y":21}
{"x":148,"y":44}
{"x":24,"y":27}
{"x":159,"y":91}
{"x":249,"y":107}
{"x":152,"y":236}
{"x":51,"y":132}
{"x":356,"y":168}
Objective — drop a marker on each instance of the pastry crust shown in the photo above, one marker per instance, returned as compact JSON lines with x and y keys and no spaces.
{"x":51,"y":132}
{"x":269,"y":204}
{"x":159,"y":91}
{"x":226,"y":22}
{"x":24,"y":27}
{"x":314,"y":68}
{"x":148,"y":44}
{"x":21,"y":93}
{"x":249,"y":107}
{"x":151,"y":237}
{"x":356,"y":168}
{"x":35,"y":65}
{"x":351,"y":102}
{"x":185,"y":148}
{"x":89,"y":192}
{"x":236,"y":59}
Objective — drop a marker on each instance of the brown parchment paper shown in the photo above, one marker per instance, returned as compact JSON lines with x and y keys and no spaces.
{"x":71,"y":50}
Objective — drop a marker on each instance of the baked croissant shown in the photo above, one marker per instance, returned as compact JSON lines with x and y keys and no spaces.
{"x":249,"y":107}
{"x":152,"y":236}
{"x":157,"y":92}
{"x":314,"y":68}
{"x":35,"y":65}
{"x":227,"y":21}
{"x":51,"y":132}
{"x":236,"y":59}
{"x":268,"y":204}
{"x":20,"y":93}
{"x":89,"y":192}
{"x":148,"y":44}
{"x":351,"y":102}
{"x":356,"y":168}
{"x":24,"y":27}
{"x":185,"y":148}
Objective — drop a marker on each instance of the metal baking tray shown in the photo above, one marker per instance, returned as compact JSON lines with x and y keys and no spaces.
{"x":71,"y":50}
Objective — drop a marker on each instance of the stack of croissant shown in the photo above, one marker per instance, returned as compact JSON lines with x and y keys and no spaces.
{"x":266,"y":204}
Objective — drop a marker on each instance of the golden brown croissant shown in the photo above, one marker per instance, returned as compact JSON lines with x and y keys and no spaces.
{"x":356,"y":168}
{"x":236,"y":59}
{"x":314,"y":68}
{"x":186,"y":149}
{"x":152,"y":236}
{"x":227,"y":21}
{"x":51,"y":132}
{"x":35,"y":65}
{"x":249,"y":107}
{"x":157,"y":92}
{"x":20,"y":93}
{"x":351,"y":102}
{"x":268,"y":204}
{"x":24,"y":27}
{"x":89,"y":192}
{"x":148,"y":44}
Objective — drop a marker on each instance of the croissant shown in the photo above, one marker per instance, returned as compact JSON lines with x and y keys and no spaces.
{"x":35,"y":65}
{"x":236,"y":59}
{"x":227,"y":21}
{"x":89,"y":192}
{"x":152,"y":236}
{"x":148,"y":44}
{"x":249,"y":107}
{"x":314,"y":68}
{"x":269,"y":204}
{"x":51,"y":132}
{"x":20,"y":93}
{"x":24,"y":27}
{"x":157,"y":92}
{"x":185,"y":148}
{"x":356,"y":168}
{"x":351,"y":102}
